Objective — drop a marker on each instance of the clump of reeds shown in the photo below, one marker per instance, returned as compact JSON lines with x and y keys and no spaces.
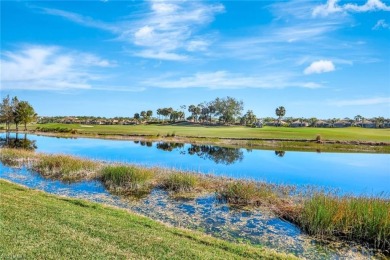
{"x":16,"y":157}
{"x":362,"y":219}
{"x":124,"y":179}
{"x":180,"y":182}
{"x":65,"y":167}
{"x":243,"y":193}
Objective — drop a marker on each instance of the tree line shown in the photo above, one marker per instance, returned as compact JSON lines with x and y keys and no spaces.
{"x":15,"y":111}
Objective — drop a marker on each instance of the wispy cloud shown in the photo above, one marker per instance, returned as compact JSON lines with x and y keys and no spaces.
{"x":80,"y":19}
{"x":332,"y":7}
{"x":227,"y":80}
{"x":170,"y":30}
{"x":48,"y":68}
{"x":360,"y":102}
{"x":320,"y":66}
{"x":167,"y":30}
{"x":381,"y":24}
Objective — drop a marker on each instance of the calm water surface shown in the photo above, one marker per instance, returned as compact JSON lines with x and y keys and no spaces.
{"x":357,"y":173}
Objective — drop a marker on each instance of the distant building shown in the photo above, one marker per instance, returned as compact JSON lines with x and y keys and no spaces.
{"x":298,"y":123}
{"x":342,"y":123}
{"x":321,"y":123}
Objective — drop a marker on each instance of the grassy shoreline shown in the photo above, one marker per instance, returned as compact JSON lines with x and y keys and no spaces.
{"x":36,"y":225}
{"x":351,"y":139}
{"x":324,"y":215}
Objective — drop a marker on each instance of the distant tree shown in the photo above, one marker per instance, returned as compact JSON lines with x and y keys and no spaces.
{"x":228,"y":109}
{"x":313,"y":121}
{"x":25,"y":113}
{"x":159,"y":113}
{"x":149,"y":114}
{"x":379,"y":121}
{"x":16,"y":118}
{"x":280,"y":112}
{"x":175,"y":115}
{"x":192,"y":110}
{"x":333,"y":121}
{"x":143,"y":114}
{"x":6,"y":112}
{"x":249,"y":118}
{"x":136,"y":116}
{"x":183,"y":108}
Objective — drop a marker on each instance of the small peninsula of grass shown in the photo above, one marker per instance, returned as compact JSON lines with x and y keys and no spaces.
{"x":327,"y":216}
{"x":35,"y":225}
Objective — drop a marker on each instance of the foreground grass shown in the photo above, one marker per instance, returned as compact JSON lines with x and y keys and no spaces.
{"x":35,"y":225}
{"x":308,"y":133}
{"x":361,"y":219}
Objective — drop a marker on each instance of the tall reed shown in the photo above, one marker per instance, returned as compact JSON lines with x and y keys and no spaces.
{"x":361,"y":219}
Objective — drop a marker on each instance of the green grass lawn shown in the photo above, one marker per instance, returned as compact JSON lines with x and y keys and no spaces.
{"x":342,"y":134}
{"x":35,"y":225}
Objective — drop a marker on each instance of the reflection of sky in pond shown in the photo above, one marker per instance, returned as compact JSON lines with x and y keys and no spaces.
{"x":350,"y":172}
{"x":203,"y":213}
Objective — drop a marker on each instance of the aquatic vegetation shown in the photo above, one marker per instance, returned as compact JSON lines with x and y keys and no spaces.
{"x":66,"y":167}
{"x":240,"y":192}
{"x":54,"y":227}
{"x":362,"y":219}
{"x":324,"y":215}
{"x":16,"y":157}
{"x":125,"y":179}
{"x":180,"y":182}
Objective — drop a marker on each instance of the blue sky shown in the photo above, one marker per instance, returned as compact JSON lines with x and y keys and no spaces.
{"x":322,"y":59}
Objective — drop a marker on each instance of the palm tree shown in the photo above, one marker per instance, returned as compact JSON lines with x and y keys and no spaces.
{"x":280,"y":112}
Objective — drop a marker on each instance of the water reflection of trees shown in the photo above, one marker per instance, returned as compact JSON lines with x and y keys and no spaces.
{"x":280,"y":153}
{"x":169,"y":146}
{"x":217,"y":154}
{"x":17,"y":142}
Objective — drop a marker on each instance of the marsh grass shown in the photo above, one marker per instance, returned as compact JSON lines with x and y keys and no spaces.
{"x":180,"y":182}
{"x":322,"y":214}
{"x":65,"y":167}
{"x":362,"y":219}
{"x":16,"y":157}
{"x":125,"y":179}
{"x":244,"y":193}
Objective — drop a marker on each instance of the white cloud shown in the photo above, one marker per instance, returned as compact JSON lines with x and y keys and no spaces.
{"x":171,"y":29}
{"x":48,"y":68}
{"x":320,"y":66}
{"x":226,"y":80}
{"x":83,"y":20}
{"x":381,"y":24}
{"x":160,"y":55}
{"x":332,"y":7}
{"x":360,"y":102}
{"x":168,"y":30}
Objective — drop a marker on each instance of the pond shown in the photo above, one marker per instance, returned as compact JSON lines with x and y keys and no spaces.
{"x":352,"y":173}
{"x":205,"y":213}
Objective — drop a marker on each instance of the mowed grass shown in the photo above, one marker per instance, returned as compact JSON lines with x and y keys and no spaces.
{"x":35,"y":225}
{"x":309,"y":133}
